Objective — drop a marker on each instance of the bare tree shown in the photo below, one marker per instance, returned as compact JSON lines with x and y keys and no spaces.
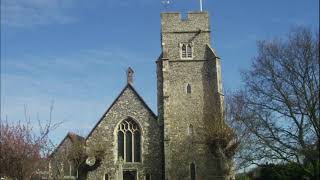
{"x":67,"y":157}
{"x":241,"y":135}
{"x":277,"y":111}
{"x":221,"y":139}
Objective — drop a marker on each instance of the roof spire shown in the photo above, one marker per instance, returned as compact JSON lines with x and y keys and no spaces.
{"x":130,"y":76}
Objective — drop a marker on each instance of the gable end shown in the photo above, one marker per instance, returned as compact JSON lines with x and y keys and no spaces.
{"x":113,"y":103}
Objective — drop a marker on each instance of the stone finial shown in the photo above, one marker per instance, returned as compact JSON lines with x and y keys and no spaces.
{"x":130,"y":76}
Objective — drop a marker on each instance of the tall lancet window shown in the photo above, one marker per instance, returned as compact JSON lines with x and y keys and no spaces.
{"x":129,"y":141}
{"x":193,"y":171}
{"x":190,"y":130}
{"x":188,"y":89}
{"x":186,"y":51}
{"x":189,"y":51}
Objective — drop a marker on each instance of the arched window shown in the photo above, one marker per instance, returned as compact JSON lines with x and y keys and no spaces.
{"x":189,"y":51}
{"x":148,"y":176}
{"x":186,"y":50}
{"x":128,"y":146}
{"x":129,"y":141}
{"x":106,"y":177}
{"x":137,"y":146}
{"x":188,"y":89}
{"x":190,"y":130}
{"x":193,"y":171}
{"x":120,"y":144}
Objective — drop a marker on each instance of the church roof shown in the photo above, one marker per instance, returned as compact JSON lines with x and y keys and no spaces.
{"x":212,"y":51}
{"x":72,"y":136}
{"x":139,"y":97}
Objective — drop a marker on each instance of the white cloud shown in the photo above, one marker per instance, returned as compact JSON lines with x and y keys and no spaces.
{"x":27,"y":13}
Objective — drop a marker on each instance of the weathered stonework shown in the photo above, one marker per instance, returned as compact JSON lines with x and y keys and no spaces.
{"x":61,"y":165}
{"x":189,"y":107}
{"x":179,"y":110}
{"x":104,"y":138}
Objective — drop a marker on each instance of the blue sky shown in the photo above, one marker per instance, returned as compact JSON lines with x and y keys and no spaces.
{"x":75,"y":52}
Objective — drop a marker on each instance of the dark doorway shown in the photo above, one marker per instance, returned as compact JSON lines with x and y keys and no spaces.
{"x":129,"y":175}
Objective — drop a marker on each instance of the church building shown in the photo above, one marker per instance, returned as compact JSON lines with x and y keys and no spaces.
{"x":131,"y":142}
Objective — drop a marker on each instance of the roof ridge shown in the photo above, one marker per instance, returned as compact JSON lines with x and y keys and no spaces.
{"x":128,"y":85}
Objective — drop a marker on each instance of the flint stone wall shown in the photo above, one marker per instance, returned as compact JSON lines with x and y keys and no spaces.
{"x":105,"y":137}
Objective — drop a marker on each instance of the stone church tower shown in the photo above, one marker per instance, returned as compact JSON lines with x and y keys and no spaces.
{"x":131,"y":142}
{"x":189,"y":95}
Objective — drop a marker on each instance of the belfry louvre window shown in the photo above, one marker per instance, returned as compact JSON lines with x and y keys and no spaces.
{"x":129,"y":141}
{"x":186,"y":51}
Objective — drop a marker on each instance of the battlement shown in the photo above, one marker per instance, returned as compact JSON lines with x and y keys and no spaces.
{"x":195,"y":21}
